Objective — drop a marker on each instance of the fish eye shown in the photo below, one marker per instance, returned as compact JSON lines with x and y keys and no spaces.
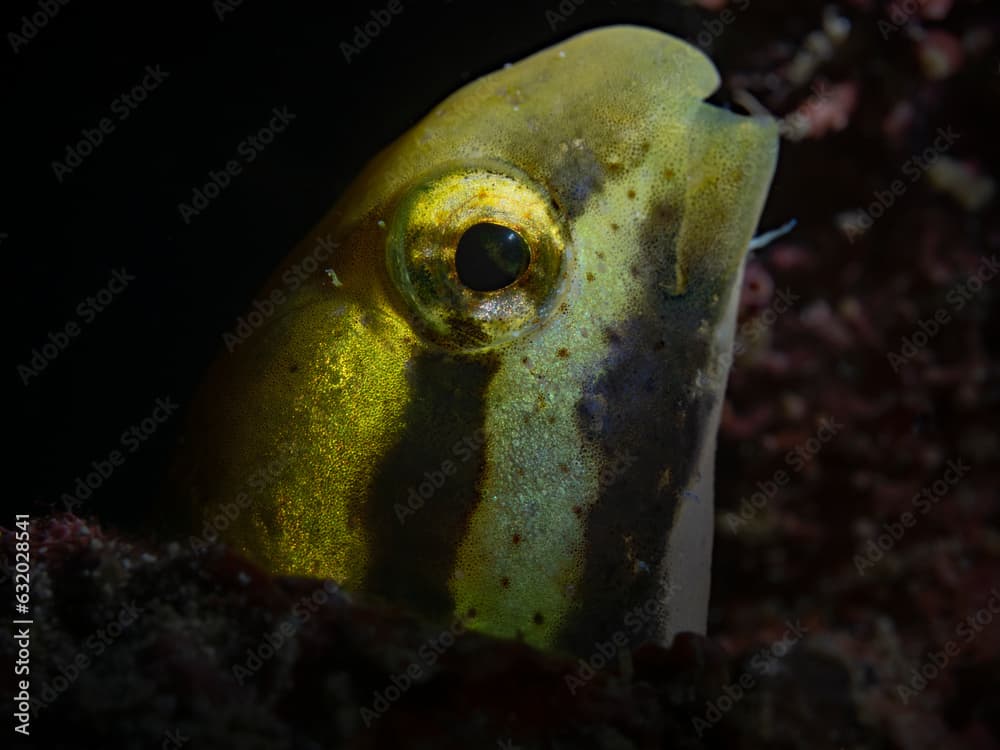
{"x":490,"y":257}
{"x":479,"y":255}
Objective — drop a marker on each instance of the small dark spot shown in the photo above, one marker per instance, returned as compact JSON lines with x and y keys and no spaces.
{"x":555,"y":204}
{"x":471,"y":614}
{"x":519,"y":471}
{"x":668,"y":173}
{"x":516,"y":539}
{"x":590,"y":276}
{"x":661,"y":344}
{"x":564,"y":307}
{"x":505,"y":582}
{"x":538,"y":619}
{"x":662,"y":212}
{"x":293,"y":368}
{"x":634,"y":270}
{"x":645,"y":146}
{"x":578,"y":510}
{"x":564,"y":468}
{"x":611,"y":336}
{"x":614,"y":228}
{"x":631,"y":194}
{"x":552,"y":420}
{"x":563,"y":353}
{"x":524,"y":360}
{"x":600,"y":253}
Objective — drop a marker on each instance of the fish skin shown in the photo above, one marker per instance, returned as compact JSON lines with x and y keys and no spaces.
{"x":537,"y":461}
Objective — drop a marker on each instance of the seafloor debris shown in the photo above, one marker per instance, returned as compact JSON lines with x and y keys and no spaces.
{"x":883,"y":538}
{"x":137,"y":643}
{"x":134,"y":644}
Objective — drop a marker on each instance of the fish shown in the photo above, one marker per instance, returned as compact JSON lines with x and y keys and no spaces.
{"x":487,"y":385}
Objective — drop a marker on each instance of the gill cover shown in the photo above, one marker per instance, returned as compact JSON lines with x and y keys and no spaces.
{"x":495,"y":393}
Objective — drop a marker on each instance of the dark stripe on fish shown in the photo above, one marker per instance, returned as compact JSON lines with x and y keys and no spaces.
{"x":443,"y":423}
{"x":652,"y":359}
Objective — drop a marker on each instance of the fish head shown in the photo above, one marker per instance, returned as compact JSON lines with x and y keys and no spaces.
{"x":487,"y":385}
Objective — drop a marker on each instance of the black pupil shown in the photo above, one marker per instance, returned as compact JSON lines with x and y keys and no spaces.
{"x":490,"y":257}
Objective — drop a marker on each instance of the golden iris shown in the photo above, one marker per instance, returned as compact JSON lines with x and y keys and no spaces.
{"x":479,"y":255}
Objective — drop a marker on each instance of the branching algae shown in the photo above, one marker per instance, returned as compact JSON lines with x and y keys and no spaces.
{"x":496,"y":397}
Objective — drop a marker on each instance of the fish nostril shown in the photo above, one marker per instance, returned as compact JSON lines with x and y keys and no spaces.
{"x":490,"y":257}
